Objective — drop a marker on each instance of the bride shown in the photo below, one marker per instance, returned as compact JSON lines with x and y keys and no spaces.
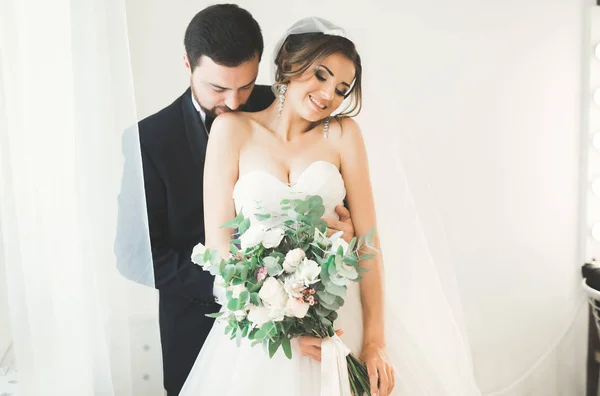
{"x":294,"y":148}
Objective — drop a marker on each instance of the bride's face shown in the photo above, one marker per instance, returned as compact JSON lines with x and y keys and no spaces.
{"x":318,"y":92}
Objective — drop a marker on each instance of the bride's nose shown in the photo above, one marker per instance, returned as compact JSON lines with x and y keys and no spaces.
{"x":328,"y":91}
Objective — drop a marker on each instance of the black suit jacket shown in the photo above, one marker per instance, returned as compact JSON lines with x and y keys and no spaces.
{"x":173,"y":146}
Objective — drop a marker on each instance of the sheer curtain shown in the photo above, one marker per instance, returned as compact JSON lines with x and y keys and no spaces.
{"x":67,"y":96}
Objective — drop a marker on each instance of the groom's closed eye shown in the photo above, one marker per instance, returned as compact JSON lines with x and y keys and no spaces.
{"x":218,"y":88}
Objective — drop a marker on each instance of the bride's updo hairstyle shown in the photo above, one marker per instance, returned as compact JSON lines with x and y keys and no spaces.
{"x":300,"y":51}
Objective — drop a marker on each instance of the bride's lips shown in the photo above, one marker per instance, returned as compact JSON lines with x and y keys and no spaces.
{"x":317,"y":104}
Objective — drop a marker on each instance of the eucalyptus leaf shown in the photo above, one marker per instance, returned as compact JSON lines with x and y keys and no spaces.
{"x":254,"y":287}
{"x":322,"y":311}
{"x":273,"y":346}
{"x":287,"y":347}
{"x":254,"y":299}
{"x":273,"y":266}
{"x":331,"y":269}
{"x":233,"y":304}
{"x":361,"y":240}
{"x":315,"y":200}
{"x":244,"y":225}
{"x":370,"y":235}
{"x":215,"y":258}
{"x":366,"y":256}
{"x":352,"y":244}
{"x":236,"y":281}
{"x":235,"y":222}
{"x":326,"y":297}
{"x":351,"y":260}
{"x":335,"y":290}
{"x":233,"y":248}
{"x":301,"y":207}
{"x":339,"y":260}
{"x":292,"y":215}
{"x":331,"y":307}
{"x":332,"y":316}
{"x":244,"y":299}
{"x":228,"y":273}
{"x":241,"y":270}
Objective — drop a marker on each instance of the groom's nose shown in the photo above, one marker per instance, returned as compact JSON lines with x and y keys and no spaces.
{"x":233,"y":100}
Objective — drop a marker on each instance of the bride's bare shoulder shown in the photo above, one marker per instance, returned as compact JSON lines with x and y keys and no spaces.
{"x":345,"y":131}
{"x":232,"y":126}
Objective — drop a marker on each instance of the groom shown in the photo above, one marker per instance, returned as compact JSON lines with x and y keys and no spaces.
{"x":224,"y":46}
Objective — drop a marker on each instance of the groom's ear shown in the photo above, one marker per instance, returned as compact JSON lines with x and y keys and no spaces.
{"x":186,"y":62}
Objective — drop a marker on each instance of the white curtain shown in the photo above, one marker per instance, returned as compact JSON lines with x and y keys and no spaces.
{"x":67,"y":100}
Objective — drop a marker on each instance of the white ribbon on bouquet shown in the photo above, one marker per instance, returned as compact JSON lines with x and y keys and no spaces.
{"x":334,"y":367}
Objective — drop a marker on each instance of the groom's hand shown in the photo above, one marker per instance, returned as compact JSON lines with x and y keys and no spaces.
{"x":343,"y":224}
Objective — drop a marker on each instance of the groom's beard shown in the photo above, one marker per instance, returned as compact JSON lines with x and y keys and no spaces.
{"x":217,"y":110}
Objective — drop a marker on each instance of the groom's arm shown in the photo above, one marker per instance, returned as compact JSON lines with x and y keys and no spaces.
{"x":174,"y":272}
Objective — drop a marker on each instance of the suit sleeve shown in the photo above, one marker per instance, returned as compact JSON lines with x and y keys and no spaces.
{"x":174,"y":271}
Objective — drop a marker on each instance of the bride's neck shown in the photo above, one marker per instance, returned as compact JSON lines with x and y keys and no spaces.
{"x":289,"y":125}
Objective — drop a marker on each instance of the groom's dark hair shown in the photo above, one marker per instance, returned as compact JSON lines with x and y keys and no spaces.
{"x":226,"y":33}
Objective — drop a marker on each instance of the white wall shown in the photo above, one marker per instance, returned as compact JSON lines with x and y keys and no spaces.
{"x":489,"y":92}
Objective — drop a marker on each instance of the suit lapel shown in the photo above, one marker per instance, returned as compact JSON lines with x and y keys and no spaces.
{"x":194,"y":129}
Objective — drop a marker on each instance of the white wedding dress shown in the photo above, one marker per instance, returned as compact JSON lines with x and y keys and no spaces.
{"x":423,"y":342}
{"x":222,"y":368}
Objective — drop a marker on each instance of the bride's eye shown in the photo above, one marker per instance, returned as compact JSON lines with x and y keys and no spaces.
{"x":320,"y":76}
{"x":341,"y":93}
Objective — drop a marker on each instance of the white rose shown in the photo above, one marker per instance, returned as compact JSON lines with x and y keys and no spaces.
{"x":258,"y":315}
{"x":219,"y":287}
{"x":309,"y":272}
{"x":293,"y":286}
{"x":277,"y":314}
{"x":237,"y":290}
{"x":296,"y":308}
{"x":240,"y":314}
{"x":198,"y":256}
{"x":252,"y":237}
{"x":272,"y":238}
{"x":273,"y":294}
{"x":337,"y":242}
{"x":293,"y":258}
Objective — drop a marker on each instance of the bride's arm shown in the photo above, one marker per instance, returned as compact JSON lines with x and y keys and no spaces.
{"x":220,"y":175}
{"x":355,"y":172}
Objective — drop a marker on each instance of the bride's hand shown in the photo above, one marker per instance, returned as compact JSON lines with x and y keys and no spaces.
{"x":311,"y":346}
{"x":380,"y":370}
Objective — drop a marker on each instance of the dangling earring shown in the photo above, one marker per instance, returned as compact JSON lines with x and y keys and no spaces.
{"x":282,"y":91}
{"x":326,"y":128}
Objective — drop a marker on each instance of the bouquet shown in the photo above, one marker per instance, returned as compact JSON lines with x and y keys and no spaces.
{"x":287,"y":280}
